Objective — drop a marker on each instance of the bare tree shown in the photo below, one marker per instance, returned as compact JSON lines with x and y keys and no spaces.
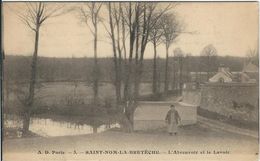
{"x":253,"y":56}
{"x":139,"y":19}
{"x":123,"y":19}
{"x":171,"y":29}
{"x":131,"y":19}
{"x":187,"y":66}
{"x":174,"y":69}
{"x":151,"y":13}
{"x":159,"y":81}
{"x":155,"y":38}
{"x":133,"y":12}
{"x":209,"y":52}
{"x":34,"y":15}
{"x":116,"y":30}
{"x":179,"y":54}
{"x":90,"y":14}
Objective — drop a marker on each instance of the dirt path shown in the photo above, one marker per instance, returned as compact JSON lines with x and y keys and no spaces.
{"x":188,"y":137}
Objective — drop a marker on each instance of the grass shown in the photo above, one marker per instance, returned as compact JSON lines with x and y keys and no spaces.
{"x":69,"y":98}
{"x":54,"y":93}
{"x":57,"y":93}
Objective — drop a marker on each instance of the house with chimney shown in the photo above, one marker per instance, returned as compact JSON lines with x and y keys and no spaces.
{"x":249,"y":74}
{"x":223,"y":75}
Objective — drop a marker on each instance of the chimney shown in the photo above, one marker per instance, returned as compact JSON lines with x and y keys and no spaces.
{"x":221,"y":68}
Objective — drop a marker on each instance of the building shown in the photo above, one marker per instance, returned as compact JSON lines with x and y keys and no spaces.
{"x":223,"y":76}
{"x":232,"y":95}
{"x":251,"y":71}
{"x":249,"y":74}
{"x":250,"y":68}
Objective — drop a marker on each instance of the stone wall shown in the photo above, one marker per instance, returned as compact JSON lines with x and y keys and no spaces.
{"x":234,"y":100}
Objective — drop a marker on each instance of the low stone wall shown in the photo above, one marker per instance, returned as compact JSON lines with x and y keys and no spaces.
{"x":151,"y":115}
{"x":234,"y":100}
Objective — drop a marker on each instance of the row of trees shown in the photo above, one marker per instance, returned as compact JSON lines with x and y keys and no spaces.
{"x":50,"y":69}
{"x":130,"y":23}
{"x":130,"y":26}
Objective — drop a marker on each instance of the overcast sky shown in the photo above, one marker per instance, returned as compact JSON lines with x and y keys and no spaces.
{"x":232,"y":27}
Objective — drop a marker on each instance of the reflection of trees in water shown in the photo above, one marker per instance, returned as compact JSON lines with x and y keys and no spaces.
{"x":92,"y":125}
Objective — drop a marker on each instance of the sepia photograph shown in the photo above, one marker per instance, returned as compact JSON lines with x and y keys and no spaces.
{"x":129,"y":80}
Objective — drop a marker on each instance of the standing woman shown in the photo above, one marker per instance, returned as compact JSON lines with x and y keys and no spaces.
{"x":172,"y":119}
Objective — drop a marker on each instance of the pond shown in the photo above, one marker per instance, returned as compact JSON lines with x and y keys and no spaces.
{"x":47,"y":127}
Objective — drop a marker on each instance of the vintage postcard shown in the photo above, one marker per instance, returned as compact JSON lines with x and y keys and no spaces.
{"x":105,"y":81}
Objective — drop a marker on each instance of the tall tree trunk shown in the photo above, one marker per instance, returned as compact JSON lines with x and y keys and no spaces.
{"x":208,"y":71}
{"x":128,"y":82}
{"x":200,"y":70}
{"x":95,"y":129}
{"x":187,"y":62}
{"x":181,"y":67}
{"x":125,"y":57}
{"x":96,"y":70}
{"x":119,"y":84}
{"x":138,"y":74}
{"x":26,"y":123}
{"x":196,"y":76}
{"x":166,"y":81}
{"x":137,"y":68}
{"x":116,"y":63}
{"x":174,"y":75}
{"x":159,"y":81}
{"x":119,"y":54}
{"x":127,"y":86}
{"x":154,"y":69}
{"x":33,"y":69}
{"x":27,"y":109}
{"x":7,"y":90}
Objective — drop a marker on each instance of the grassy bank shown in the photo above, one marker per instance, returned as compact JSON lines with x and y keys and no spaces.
{"x":235,"y":122}
{"x":14,"y":133}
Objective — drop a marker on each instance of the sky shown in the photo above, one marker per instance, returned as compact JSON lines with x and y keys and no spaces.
{"x":232,"y":28}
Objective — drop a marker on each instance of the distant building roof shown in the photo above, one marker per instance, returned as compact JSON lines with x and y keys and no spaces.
{"x":250,"y":67}
{"x":223,"y":75}
{"x":245,"y":76}
{"x":220,"y":77}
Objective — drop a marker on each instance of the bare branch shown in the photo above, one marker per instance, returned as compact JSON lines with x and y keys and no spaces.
{"x":107,"y":30}
{"x":50,"y":13}
{"x":29,"y":25}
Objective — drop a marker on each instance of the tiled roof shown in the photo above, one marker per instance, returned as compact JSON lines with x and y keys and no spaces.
{"x":250,"y":67}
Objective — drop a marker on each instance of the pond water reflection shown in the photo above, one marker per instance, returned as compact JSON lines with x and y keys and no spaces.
{"x":47,"y":127}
